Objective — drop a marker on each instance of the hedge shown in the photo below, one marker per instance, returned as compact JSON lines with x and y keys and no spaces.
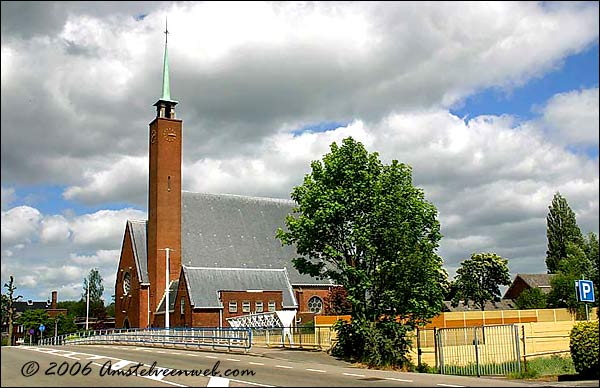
{"x":584,"y":348}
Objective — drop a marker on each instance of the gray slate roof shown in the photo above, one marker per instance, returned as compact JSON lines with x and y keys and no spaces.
{"x":503,"y":304}
{"x":204,"y":283}
{"x":172,"y":294}
{"x":532,"y":280}
{"x":137,"y":232}
{"x":233,"y":231}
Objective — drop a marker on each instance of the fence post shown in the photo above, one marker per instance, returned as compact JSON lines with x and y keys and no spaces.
{"x":418,"y":348}
{"x":524,"y":348}
{"x":516,"y":329}
{"x":435,"y":350}
{"x":475,"y":342}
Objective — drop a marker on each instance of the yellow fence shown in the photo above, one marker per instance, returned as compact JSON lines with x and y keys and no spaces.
{"x":541,"y":331}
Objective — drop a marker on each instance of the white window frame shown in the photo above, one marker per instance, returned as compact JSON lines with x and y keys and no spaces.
{"x":233,"y":307}
{"x":182,"y":306}
{"x":246,"y":306}
{"x":272,"y":306}
{"x":259,"y":306}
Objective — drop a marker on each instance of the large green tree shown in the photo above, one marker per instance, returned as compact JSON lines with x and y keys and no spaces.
{"x":365,"y":226}
{"x":479,"y":279}
{"x":532,"y":298}
{"x":561,"y":229}
{"x":94,"y":282}
{"x":32,"y":319}
{"x":573,"y":267}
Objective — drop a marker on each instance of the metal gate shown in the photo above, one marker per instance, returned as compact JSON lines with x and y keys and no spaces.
{"x":476,"y":351}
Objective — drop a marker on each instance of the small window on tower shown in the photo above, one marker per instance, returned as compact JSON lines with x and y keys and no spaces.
{"x":233,"y":307}
{"x":169,"y":183}
{"x":182,"y":306}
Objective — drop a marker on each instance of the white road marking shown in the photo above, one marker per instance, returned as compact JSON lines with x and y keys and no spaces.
{"x":120,"y":364}
{"x":192,"y":355}
{"x":315,"y":370}
{"x":450,"y":385}
{"x":174,"y":353}
{"x":96,"y":357}
{"x":218,"y":382}
{"x":352,"y":374}
{"x":395,"y":379}
{"x":283,"y":366}
{"x":255,"y":363}
{"x":231,"y":359}
{"x":210,"y":357}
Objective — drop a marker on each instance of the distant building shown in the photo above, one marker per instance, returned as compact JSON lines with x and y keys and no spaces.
{"x":20,"y":307}
{"x":525,"y":281}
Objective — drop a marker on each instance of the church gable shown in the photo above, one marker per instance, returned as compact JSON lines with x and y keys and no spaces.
{"x":232,"y":231}
{"x":137,"y":233}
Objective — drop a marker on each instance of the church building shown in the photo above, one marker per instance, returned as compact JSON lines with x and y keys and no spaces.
{"x":217,"y":252}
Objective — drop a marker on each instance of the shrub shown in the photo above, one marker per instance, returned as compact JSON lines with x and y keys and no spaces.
{"x":584,"y":348}
{"x":382,"y":343}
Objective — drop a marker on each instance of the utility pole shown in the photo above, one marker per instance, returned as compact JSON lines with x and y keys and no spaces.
{"x":87,"y":305}
{"x":167,"y":282}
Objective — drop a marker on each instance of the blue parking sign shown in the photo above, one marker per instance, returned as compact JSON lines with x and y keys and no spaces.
{"x":586,"y":290}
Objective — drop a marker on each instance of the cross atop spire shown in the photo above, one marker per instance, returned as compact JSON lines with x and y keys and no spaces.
{"x":165,"y":105}
{"x":166,"y":90}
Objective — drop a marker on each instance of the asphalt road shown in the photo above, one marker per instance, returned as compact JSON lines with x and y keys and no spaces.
{"x":64,"y":366}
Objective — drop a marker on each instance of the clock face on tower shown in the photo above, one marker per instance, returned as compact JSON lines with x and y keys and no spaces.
{"x":153,"y":136}
{"x":169,"y":134}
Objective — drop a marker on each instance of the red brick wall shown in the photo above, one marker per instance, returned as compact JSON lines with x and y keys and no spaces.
{"x":164,"y":204}
{"x":303,"y":295}
{"x":132,"y":306}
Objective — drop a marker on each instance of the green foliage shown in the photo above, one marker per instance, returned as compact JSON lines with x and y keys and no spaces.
{"x":479,"y":279}
{"x":571,"y":268}
{"x":532,"y":298}
{"x":32,"y":319}
{"x":336,"y":302}
{"x":381,"y":343}
{"x":75,"y":308}
{"x":561,"y":229}
{"x":425,"y":368}
{"x":584,"y":348}
{"x":551,"y":366}
{"x":365,"y":226}
{"x":66,"y":324}
{"x":94,"y":279}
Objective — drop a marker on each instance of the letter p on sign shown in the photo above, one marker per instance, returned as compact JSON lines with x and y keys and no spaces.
{"x":586,"y":291}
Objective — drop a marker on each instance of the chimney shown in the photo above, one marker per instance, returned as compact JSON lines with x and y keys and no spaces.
{"x":54,"y":299}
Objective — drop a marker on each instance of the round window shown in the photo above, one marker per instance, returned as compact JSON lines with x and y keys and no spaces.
{"x":126,"y":283}
{"x":315,"y":305}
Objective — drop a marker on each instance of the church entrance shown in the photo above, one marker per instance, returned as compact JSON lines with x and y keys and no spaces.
{"x":126,"y":323}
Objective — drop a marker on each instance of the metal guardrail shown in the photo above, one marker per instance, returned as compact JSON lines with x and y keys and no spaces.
{"x":230,"y":338}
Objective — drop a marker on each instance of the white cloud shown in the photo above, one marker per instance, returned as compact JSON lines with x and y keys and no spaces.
{"x":572,"y":117}
{"x":20,"y":224}
{"x":126,"y":178}
{"x":104,"y":228}
{"x":55,"y":229}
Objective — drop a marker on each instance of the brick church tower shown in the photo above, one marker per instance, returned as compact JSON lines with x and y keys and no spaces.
{"x":164,"y":192}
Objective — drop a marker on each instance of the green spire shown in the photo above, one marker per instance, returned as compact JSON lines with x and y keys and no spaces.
{"x":166,"y":90}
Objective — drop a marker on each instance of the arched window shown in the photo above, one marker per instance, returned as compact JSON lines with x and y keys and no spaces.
{"x":126,"y":283}
{"x":315,"y":305}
